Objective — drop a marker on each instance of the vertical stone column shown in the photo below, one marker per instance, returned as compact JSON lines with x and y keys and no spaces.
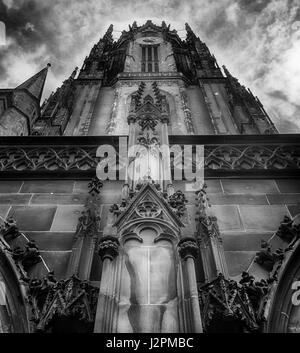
{"x":108,"y":250}
{"x":166,"y":162}
{"x":188,"y":250}
{"x":131,"y":142}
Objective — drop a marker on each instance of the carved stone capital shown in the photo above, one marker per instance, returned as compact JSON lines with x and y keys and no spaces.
{"x":108,"y":248}
{"x":188,"y":247}
{"x":165,"y":119}
{"x":131,"y":119}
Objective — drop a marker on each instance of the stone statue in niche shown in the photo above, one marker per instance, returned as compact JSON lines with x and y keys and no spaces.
{"x":148,"y":296}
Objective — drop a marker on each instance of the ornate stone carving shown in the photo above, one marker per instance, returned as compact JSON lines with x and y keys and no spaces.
{"x":148,"y":209}
{"x":54,"y":158}
{"x":89,"y":221}
{"x":118,"y":209}
{"x":288,"y":230}
{"x":266,"y":258}
{"x":9,"y":229}
{"x":187,"y":112}
{"x":226,"y":307}
{"x":62,"y":306}
{"x":108,"y":248}
{"x":207,"y":226}
{"x":257,"y":292}
{"x":243,"y":157}
{"x":187,"y":247}
{"x":178,"y":203}
{"x":28,"y":257}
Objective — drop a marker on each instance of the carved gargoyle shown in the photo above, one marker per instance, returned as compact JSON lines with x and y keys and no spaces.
{"x":28,"y":257}
{"x":9,"y":229}
{"x":288,"y":230}
{"x":256,"y":290}
{"x":266,"y":258}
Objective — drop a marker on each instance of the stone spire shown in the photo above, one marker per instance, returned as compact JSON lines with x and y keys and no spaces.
{"x":35,"y":84}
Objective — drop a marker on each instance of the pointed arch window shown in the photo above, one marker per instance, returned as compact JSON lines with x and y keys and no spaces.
{"x":150,"y":58}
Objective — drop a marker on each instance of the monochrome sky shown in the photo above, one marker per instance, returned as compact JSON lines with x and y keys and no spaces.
{"x":258,"y":40}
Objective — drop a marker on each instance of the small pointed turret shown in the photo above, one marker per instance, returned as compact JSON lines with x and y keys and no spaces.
{"x":190,"y":34}
{"x":18,"y":120}
{"x":108,"y":35}
{"x":35,"y":84}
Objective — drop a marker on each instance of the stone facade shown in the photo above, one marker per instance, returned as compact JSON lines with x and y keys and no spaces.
{"x":146,"y":252}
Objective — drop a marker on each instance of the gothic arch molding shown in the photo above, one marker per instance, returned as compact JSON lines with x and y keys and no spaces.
{"x":13,"y":309}
{"x":282,"y":313}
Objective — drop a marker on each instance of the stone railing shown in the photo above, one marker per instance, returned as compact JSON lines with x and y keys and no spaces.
{"x":225,"y":156}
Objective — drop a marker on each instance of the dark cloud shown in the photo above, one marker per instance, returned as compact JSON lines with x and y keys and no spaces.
{"x":257,"y":40}
{"x":253,"y":6}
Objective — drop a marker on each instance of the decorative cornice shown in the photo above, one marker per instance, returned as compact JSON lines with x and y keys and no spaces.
{"x":275,"y":155}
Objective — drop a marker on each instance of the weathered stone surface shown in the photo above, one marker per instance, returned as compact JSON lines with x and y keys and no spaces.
{"x":228,"y":217}
{"x":213,"y":186}
{"x":3,"y":211}
{"x":244,"y":241}
{"x":57,"y":261}
{"x":48,"y":186}
{"x":294,"y":210}
{"x":288,"y":185}
{"x":110,"y":198}
{"x":114,"y":186}
{"x":249,"y":186}
{"x":33,"y":218}
{"x":81,"y":187}
{"x":58,"y":199}
{"x":104,"y":215}
{"x":262,"y":217}
{"x":51,"y":241}
{"x":96,"y":269}
{"x":238,"y":261}
{"x":10,"y":186}
{"x":14,"y":199}
{"x":237,"y":199}
{"x":66,"y":218}
{"x":283,"y":199}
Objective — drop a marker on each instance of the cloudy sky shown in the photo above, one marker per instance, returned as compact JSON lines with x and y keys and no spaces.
{"x":258,"y":40}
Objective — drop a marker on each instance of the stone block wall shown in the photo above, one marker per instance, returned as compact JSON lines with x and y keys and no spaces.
{"x":248,"y":210}
{"x":48,"y":211}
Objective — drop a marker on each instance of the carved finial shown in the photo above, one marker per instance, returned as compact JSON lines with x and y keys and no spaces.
{"x":74,"y":73}
{"x":95,"y":185}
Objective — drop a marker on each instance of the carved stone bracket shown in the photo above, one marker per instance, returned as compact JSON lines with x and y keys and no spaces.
{"x":62,"y":306}
{"x":108,"y":248}
{"x":187,"y":247}
{"x":226,"y":306}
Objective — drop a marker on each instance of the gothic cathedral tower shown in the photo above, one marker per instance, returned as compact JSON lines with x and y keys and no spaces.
{"x":141,"y":248}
